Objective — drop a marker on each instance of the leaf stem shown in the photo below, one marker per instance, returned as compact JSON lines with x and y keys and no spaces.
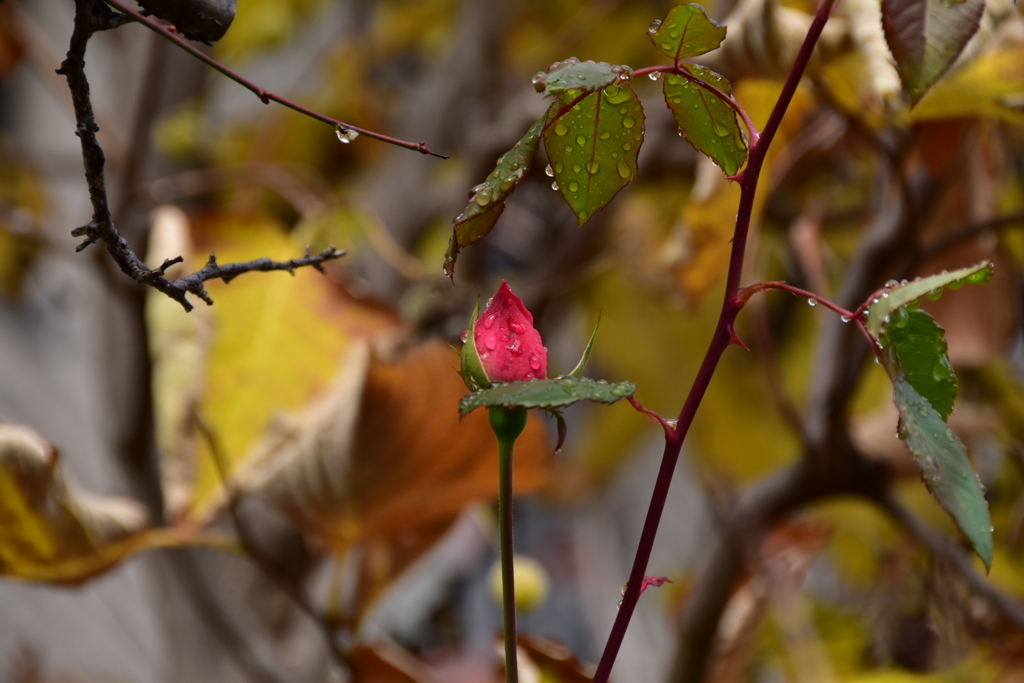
{"x":720,"y":341}
{"x":265,"y":95}
{"x":747,"y":292}
{"x":681,"y":70}
{"x":507,"y":424}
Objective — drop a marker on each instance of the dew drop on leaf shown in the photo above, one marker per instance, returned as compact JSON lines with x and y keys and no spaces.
{"x":561,"y":129}
{"x":628,"y":121}
{"x":655,"y":25}
{"x":812,"y":302}
{"x":554,"y":184}
{"x":580,"y":140}
{"x":623,"y":169}
{"x":593,"y":167}
{"x":654,"y":75}
{"x":548,"y":171}
{"x":574,"y":186}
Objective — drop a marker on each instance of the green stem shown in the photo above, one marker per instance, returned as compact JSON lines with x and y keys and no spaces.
{"x":507,"y":424}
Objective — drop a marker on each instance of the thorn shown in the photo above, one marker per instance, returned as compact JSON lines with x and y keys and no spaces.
{"x":735,"y":338}
{"x":738,"y":177}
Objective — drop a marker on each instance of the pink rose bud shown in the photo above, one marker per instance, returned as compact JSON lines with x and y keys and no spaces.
{"x":509,"y":348}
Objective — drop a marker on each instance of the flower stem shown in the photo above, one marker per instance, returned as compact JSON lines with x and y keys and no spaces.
{"x":508,"y":424}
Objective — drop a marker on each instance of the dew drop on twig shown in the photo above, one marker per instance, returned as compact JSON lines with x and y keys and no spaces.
{"x":346,"y":135}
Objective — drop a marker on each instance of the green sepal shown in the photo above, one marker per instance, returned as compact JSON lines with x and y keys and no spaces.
{"x":473,"y":373}
{"x":578,"y":370}
{"x":545,"y":393}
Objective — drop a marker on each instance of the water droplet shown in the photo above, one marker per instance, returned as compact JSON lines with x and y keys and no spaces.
{"x":626,"y":146}
{"x":534,"y":361}
{"x":621,"y":390}
{"x":554,"y":184}
{"x":489,"y":321}
{"x":569,"y":148}
{"x":628,"y":121}
{"x":474,"y":190}
{"x":491,"y":342}
{"x":517,"y":327}
{"x":885,"y":295}
{"x":516,"y":347}
{"x":464,"y":335}
{"x":576,"y":168}
{"x":558,"y":167}
{"x":666,"y":46}
{"x":561,"y":129}
{"x":605,"y":135}
{"x":673,"y":34}
{"x":654,"y":75}
{"x":527,"y":377}
{"x":812,"y":302}
{"x":483,"y":197}
{"x":346,"y":135}
{"x":655,"y":25}
{"x":593,"y":167}
{"x":892,"y":283}
{"x":574,"y":186}
{"x":567,"y":381}
{"x":580,"y":140}
{"x":549,"y":172}
{"x":623,"y":169}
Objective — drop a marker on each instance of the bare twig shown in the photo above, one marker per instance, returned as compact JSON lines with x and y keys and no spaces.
{"x":265,"y":95}
{"x":92,"y":16}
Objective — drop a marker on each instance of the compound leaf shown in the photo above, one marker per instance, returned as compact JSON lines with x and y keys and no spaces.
{"x":926,"y":36}
{"x":706,"y":120}
{"x":593,"y":145}
{"x":487,"y":200}
{"x":945,"y":469}
{"x":919,"y":348}
{"x":546,"y":393}
{"x":898,"y":294}
{"x":686,"y":31}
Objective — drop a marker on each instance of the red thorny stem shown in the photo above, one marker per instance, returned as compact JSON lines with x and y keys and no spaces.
{"x":265,"y":95}
{"x":721,"y":339}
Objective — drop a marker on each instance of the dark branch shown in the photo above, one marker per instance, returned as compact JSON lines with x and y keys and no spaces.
{"x":92,"y":16}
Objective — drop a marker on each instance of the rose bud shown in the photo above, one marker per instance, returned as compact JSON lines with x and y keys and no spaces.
{"x":502,"y":344}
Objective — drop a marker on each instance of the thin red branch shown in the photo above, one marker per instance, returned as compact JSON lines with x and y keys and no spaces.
{"x":748,"y":292}
{"x":719,"y":342}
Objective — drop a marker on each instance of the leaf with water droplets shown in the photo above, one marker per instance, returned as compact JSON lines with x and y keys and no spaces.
{"x":897,"y":295}
{"x":945,"y":469}
{"x":593,"y":145}
{"x":487,"y":200}
{"x":546,"y":393}
{"x":687,"y":32}
{"x":926,"y":37}
{"x":917,"y":345}
{"x":572,"y":74}
{"x":706,"y":120}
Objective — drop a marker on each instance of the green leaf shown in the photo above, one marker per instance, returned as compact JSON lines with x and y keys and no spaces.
{"x":706,"y":120}
{"x":945,"y":469}
{"x":578,"y":370}
{"x":593,"y":145}
{"x":919,"y":349}
{"x":487,"y":200}
{"x":896,"y":295}
{"x":572,"y":74}
{"x":686,"y":31}
{"x":546,"y":393}
{"x":926,"y":37}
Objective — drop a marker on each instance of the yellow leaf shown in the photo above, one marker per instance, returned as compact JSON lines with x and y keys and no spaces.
{"x":50,"y":531}
{"x":992,"y":86}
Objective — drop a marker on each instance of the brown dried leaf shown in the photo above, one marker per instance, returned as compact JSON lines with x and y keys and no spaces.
{"x":50,"y":531}
{"x":385,"y":452}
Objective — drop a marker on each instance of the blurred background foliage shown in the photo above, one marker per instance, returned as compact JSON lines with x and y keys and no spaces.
{"x":330,"y":401}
